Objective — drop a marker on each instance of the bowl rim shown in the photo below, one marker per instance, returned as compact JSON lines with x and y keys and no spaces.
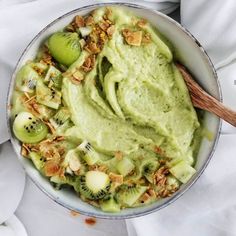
{"x":142,"y":212}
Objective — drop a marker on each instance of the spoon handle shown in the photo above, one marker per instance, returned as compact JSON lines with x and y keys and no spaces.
{"x":201,"y":99}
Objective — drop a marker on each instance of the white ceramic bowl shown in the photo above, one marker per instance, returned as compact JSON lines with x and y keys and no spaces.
{"x":188,"y":51}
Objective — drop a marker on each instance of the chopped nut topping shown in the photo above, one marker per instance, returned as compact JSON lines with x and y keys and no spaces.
{"x":141,"y":23}
{"x":104,"y":25}
{"x":51,"y":168}
{"x":132,"y":38}
{"x":89,"y":21}
{"x":24,"y":150}
{"x":160,"y":176}
{"x":50,"y":126}
{"x":79,"y":21}
{"x":110,"y":30}
{"x":145,"y":197}
{"x":74,"y":213}
{"x":89,"y":63}
{"x":146,"y":38}
{"x":74,"y":163}
{"x":118,"y":155}
{"x":78,"y":75}
{"x":116,"y":178}
{"x":92,"y":48}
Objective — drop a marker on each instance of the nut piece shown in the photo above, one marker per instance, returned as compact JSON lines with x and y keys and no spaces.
{"x":92,"y":48}
{"x":141,"y":23}
{"x":74,"y":163}
{"x":116,"y":178}
{"x":88,"y":63}
{"x":133,"y":38}
{"x":110,"y":30}
{"x":146,"y":38}
{"x":89,"y":21}
{"x":79,"y":21}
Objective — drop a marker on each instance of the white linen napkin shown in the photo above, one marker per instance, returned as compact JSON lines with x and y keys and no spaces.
{"x":208,"y":208}
{"x":12,"y":182}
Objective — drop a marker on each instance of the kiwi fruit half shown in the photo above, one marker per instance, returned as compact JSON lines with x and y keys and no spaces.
{"x":64,"y":47}
{"x":28,"y":129}
{"x":94,"y":185}
{"x":60,"y":117}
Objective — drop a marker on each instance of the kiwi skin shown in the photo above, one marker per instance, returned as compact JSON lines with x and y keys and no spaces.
{"x":64,"y":47}
{"x":28,"y":128}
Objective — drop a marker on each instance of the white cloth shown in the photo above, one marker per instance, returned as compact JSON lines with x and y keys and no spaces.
{"x":12,"y":182}
{"x":208,"y":208}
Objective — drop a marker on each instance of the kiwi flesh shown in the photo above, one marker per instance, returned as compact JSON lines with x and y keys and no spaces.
{"x":125,"y":166}
{"x":128,"y":195}
{"x":90,"y":156}
{"x":64,"y":47}
{"x":26,"y":79}
{"x":94,"y":185}
{"x":29,"y":129}
{"x":37,"y":161}
{"x":109,"y":204}
{"x":53,"y":77}
{"x":149,"y":166}
{"x":60,"y":117}
{"x":182,"y":171}
{"x":49,"y":97}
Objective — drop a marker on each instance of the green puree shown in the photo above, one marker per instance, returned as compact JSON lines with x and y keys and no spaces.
{"x":131,"y":114}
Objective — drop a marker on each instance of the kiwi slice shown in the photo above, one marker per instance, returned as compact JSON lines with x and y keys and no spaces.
{"x":60,"y":117}
{"x":90,"y":156}
{"x":94,"y":185}
{"x":47,"y":96}
{"x":109,"y":204}
{"x":53,"y":77}
{"x":148,"y":167}
{"x":129,"y":194}
{"x":125,"y":166}
{"x":182,"y":171}
{"x":64,"y":47}
{"x":37,"y":160}
{"x":28,"y":129}
{"x":26,"y":79}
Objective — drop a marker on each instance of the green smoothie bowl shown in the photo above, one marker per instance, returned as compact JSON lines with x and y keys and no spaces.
{"x":100,"y":116}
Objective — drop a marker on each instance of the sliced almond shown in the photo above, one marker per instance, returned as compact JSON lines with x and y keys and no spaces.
{"x":146,"y":38}
{"x":141,"y":23}
{"x":74,"y":163}
{"x":89,"y":21}
{"x":116,"y":178}
{"x":51,"y":168}
{"x":79,"y":21}
{"x":111,"y":30}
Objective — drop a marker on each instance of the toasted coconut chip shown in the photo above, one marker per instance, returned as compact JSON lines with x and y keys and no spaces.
{"x":52,"y":168}
{"x":151,"y":192}
{"x":146,"y":38}
{"x":141,"y":23}
{"x":89,"y":63}
{"x":89,"y":21}
{"x":92,"y":48}
{"x":133,"y":38}
{"x":79,"y":21}
{"x":77,"y":75}
{"x":24,"y":151}
{"x":74,"y":163}
{"x":104,"y":25}
{"x":49,"y":151}
{"x":50,"y":126}
{"x":116,"y":178}
{"x":118,"y":155}
{"x":145,"y":197}
{"x":111,"y":30}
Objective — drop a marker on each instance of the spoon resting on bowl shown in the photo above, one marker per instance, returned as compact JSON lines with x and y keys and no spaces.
{"x":201,"y":99}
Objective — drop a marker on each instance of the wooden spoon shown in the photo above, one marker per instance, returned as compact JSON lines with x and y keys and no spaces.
{"x":204,"y":101}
